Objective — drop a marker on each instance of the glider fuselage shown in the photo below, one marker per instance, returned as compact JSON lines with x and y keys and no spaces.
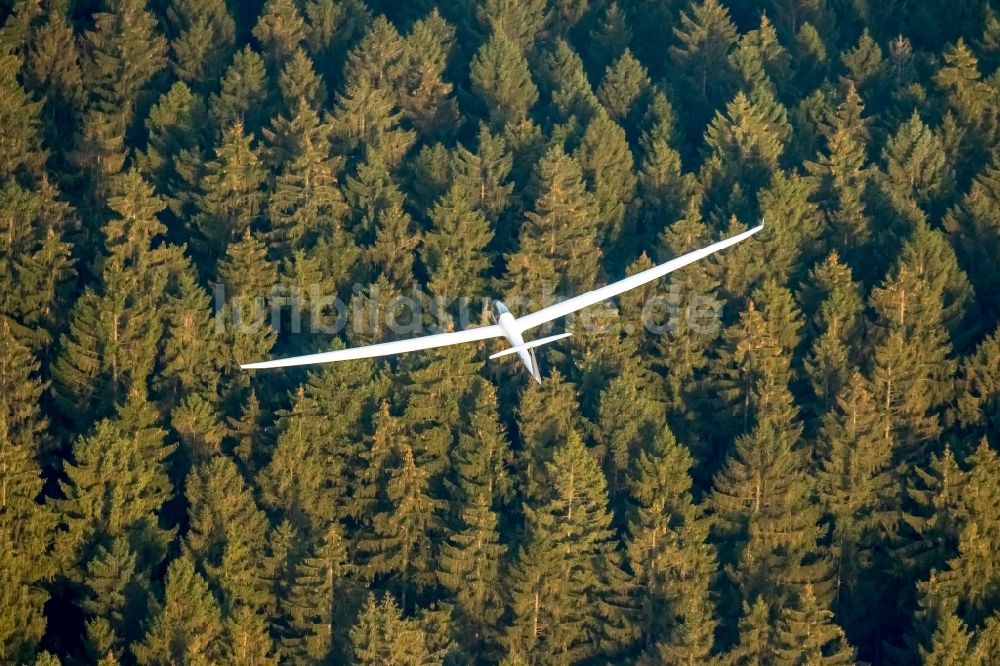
{"x":512,"y":332}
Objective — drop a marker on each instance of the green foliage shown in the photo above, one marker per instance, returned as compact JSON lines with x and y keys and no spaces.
{"x":188,"y":185}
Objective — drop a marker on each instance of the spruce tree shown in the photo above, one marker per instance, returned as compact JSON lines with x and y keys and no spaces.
{"x":558,"y":244}
{"x":203,"y":34}
{"x":400,"y":543}
{"x":121,"y":54}
{"x":173,"y":155}
{"x":758,"y":643}
{"x":280,"y":29}
{"x":606,"y":162}
{"x":974,"y":229}
{"x":566,"y":584}
{"x":624,"y":82}
{"x":314,"y":600}
{"x":427,"y":99}
{"x":110,"y":347}
{"x":382,"y":636}
{"x":20,"y":144}
{"x":230,"y":197}
{"x":188,"y":628}
{"x":979,"y":399}
{"x":835,"y":327}
{"x":242,"y":93}
{"x":455,"y":249}
{"x":305,"y":203}
{"x":128,"y":455}
{"x":25,"y":525}
{"x":703,"y":41}
{"x":225,"y":524}
{"x":502,"y":81}
{"x":807,"y":635}
{"x":765,"y":517}
{"x":469,"y":568}
{"x":569,"y":88}
{"x":483,"y":175}
{"x":669,"y":555}
{"x":520,"y":22}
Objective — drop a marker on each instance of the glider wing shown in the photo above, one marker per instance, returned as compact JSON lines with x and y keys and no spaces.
{"x":571,"y":305}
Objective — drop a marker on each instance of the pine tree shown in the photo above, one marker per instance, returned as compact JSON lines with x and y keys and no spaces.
{"x":188,"y":628}
{"x":502,"y":81}
{"x":565,"y":586}
{"x":808,"y":635}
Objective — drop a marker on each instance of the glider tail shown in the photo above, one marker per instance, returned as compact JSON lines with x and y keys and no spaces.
{"x":526,"y":351}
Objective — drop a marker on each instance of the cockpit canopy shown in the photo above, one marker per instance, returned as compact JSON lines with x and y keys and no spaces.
{"x":498,"y":309}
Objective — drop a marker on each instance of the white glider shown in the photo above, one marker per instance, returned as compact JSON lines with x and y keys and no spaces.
{"x":507,"y":325}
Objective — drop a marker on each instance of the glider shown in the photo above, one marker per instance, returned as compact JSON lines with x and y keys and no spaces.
{"x":507,"y":325}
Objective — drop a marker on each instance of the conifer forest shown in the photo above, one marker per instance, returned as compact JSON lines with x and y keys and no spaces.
{"x":785,"y":454}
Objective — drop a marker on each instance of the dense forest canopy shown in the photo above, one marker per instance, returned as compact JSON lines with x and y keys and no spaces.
{"x":806,"y":474}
